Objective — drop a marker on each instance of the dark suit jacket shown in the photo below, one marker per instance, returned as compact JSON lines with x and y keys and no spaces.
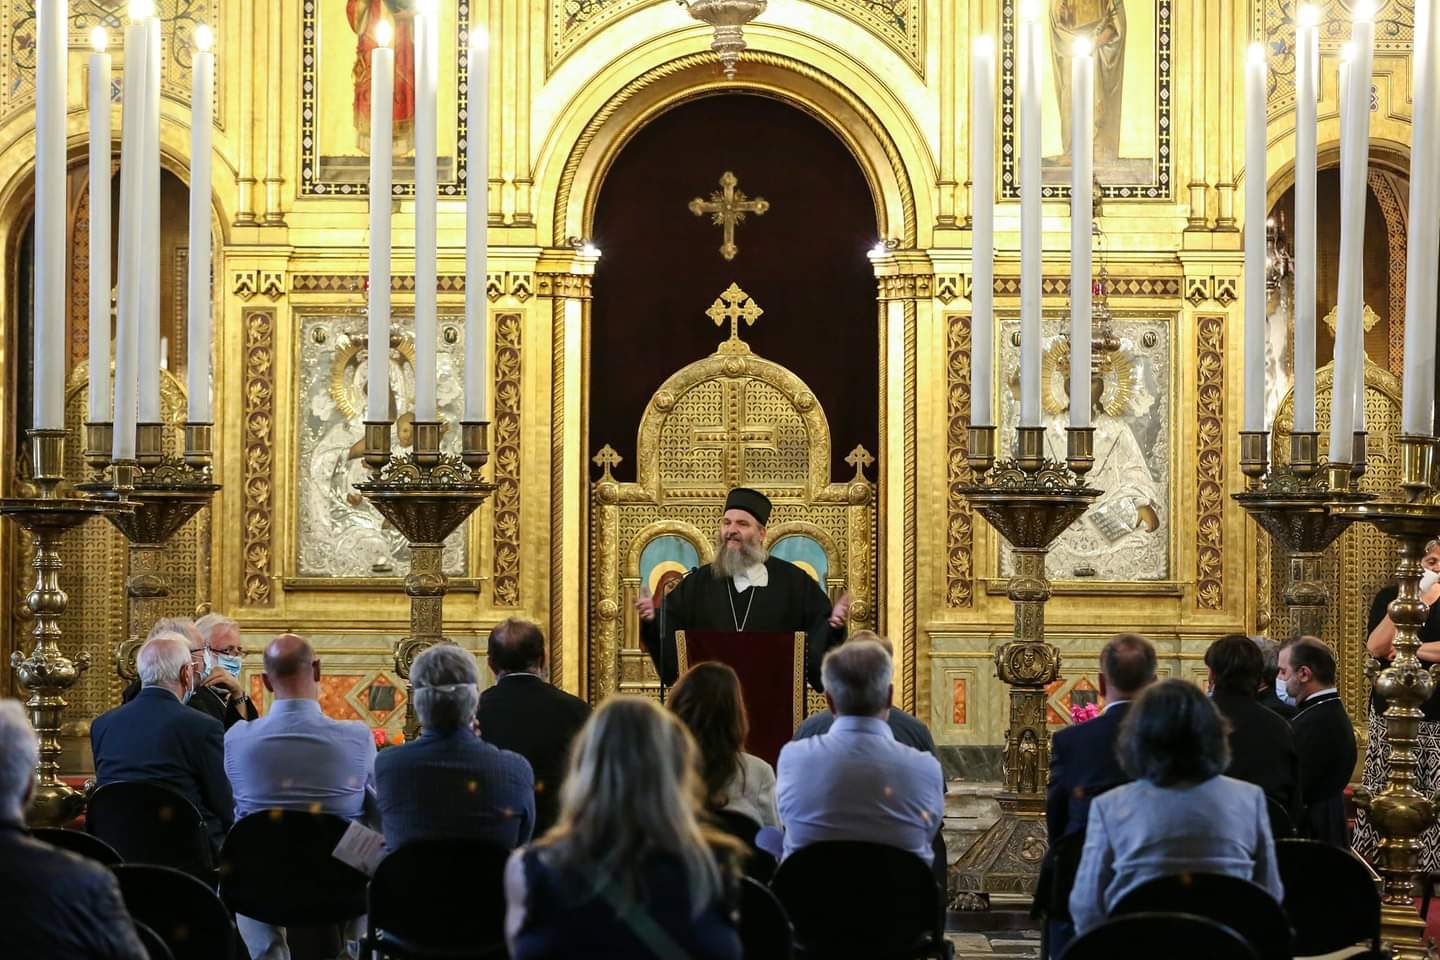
{"x":525,"y":713}
{"x":454,"y":785}
{"x":208,"y":702}
{"x":1267,"y":699}
{"x":1326,"y":744}
{"x":157,"y":738}
{"x":1262,"y":750}
{"x":1082,"y":764}
{"x":907,"y":729}
{"x":58,"y":905}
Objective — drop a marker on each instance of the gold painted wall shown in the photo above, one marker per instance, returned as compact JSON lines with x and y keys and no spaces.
{"x":570,"y":81}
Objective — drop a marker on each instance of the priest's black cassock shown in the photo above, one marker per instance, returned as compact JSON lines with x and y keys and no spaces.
{"x":705,"y":600}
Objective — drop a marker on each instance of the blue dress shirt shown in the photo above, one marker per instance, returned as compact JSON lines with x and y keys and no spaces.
{"x":296,"y":758}
{"x":856,"y":782}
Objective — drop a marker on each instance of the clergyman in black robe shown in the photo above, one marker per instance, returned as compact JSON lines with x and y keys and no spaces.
{"x":744,"y":590}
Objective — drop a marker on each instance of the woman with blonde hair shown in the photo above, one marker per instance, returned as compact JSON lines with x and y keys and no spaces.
{"x":629,"y":869}
{"x":707,"y":700}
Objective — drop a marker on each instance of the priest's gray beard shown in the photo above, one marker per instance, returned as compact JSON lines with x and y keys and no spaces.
{"x":730,"y":562}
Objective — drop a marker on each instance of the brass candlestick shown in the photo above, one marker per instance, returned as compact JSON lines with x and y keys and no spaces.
{"x":1030,"y":500}
{"x":47,"y":673}
{"x":426,"y":495}
{"x":1292,"y":505}
{"x":1400,"y":812}
{"x":167,"y":491}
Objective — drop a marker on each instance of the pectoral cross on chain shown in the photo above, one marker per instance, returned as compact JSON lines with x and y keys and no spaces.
{"x":727,"y":207}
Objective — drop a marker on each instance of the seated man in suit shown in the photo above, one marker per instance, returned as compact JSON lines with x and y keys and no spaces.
{"x":907,"y":728}
{"x":1324,"y":737}
{"x":1083,"y":762}
{"x":1262,"y":748}
{"x":525,"y":713}
{"x":449,"y":782}
{"x":217,"y":667}
{"x":57,"y":905}
{"x":296,"y":758}
{"x":156,"y":737}
{"x":856,"y":782}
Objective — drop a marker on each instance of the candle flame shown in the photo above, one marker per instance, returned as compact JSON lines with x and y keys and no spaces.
{"x":589,"y":249}
{"x":1082,"y":47}
{"x":1030,"y":9}
{"x":985,"y":46}
{"x":1347,"y":52}
{"x":204,"y":37}
{"x":141,"y":9}
{"x":1309,"y":15}
{"x":1257,"y":53}
{"x":425,"y":8}
{"x":384,"y":33}
{"x":479,"y":39}
{"x":99,"y":39}
{"x":1364,"y":10}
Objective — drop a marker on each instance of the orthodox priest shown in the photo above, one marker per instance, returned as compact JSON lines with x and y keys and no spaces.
{"x":744,"y":589}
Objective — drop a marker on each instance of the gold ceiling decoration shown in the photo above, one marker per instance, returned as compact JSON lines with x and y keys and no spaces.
{"x":728,"y":17}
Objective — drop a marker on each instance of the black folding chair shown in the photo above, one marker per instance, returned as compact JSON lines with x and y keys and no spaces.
{"x":155,"y":947}
{"x":1282,"y":822}
{"x":186,"y":914}
{"x":149,"y":823}
{"x":1176,"y":936}
{"x":277,"y":867}
{"x":765,"y":930}
{"x":76,"y":842}
{"x":1330,"y":897}
{"x":458,"y":913}
{"x":759,"y":864}
{"x":888,"y":908}
{"x":1239,"y":904}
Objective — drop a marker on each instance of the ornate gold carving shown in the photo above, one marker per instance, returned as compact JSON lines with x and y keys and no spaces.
{"x":258,"y":481}
{"x":727,"y":208}
{"x":1150,"y":287}
{"x":566,"y":286}
{"x":910,"y":657}
{"x":949,"y":288}
{"x":1197,"y":290}
{"x":508,"y":402}
{"x":246,"y":284}
{"x":272,"y":284}
{"x":357,"y":283}
{"x":1210,"y":463}
{"x":734,"y":305}
{"x":908,"y":286}
{"x":960,"y":533}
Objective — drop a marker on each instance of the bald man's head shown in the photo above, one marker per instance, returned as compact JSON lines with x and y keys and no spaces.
{"x":291,"y":668}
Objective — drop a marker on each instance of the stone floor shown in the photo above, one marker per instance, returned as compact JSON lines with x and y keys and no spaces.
{"x":1016,"y":944}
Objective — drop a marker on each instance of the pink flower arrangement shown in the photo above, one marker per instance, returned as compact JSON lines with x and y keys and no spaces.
{"x":1080,"y":712}
{"x":383,"y":739}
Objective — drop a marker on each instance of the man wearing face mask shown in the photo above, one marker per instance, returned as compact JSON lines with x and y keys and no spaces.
{"x":156,"y":738}
{"x":1323,"y":737}
{"x":217,"y":655}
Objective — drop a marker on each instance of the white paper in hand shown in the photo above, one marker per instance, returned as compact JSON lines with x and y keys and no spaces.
{"x":361,"y":848}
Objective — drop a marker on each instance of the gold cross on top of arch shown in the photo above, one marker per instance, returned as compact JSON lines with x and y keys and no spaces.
{"x":734,"y":305}
{"x":727,"y":207}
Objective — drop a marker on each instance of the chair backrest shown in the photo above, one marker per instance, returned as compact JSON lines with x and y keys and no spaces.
{"x":150,"y":823}
{"x":154,"y":946}
{"x":765,"y":929}
{"x":1330,"y":896}
{"x":186,"y":914}
{"x":1282,"y":823}
{"x":759,"y":864}
{"x":276,"y":866}
{"x":77,"y":842}
{"x":889,"y":904}
{"x":1058,"y":875}
{"x":1239,"y":904}
{"x":459,"y":909}
{"x":1184,"y":936}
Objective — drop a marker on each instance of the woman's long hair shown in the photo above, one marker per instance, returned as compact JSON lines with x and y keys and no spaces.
{"x":707,"y":700}
{"x":633,"y":792}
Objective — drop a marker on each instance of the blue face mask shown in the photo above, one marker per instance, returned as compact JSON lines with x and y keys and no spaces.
{"x":1283,"y":694}
{"x":229,"y":664}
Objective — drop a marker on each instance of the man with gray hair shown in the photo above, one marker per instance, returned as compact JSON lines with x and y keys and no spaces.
{"x":1272,"y":695}
{"x":856,"y":782}
{"x":449,"y":782}
{"x":157,"y":738}
{"x":217,"y":669}
{"x":57,"y":905}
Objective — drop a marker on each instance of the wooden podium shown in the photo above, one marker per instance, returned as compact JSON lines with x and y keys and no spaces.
{"x":771,"y":667}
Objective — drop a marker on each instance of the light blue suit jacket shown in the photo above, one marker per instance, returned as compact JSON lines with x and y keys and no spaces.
{"x":1141,"y":831}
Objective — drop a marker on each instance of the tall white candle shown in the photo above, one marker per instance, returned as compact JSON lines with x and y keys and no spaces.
{"x":427,"y":77}
{"x":982,"y":230}
{"x":150,"y":231}
{"x":1306,"y":51}
{"x":127,"y":315}
{"x":98,"y":409}
{"x":198,"y":322}
{"x":51,"y":25}
{"x":1354,"y":153}
{"x":476,"y":214}
{"x":382,"y":95}
{"x":1031,"y":224}
{"x":1082,"y":149}
{"x":1255,"y":214}
{"x":1418,"y":400}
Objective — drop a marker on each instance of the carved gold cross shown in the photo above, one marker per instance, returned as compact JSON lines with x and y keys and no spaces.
{"x":734,"y":305}
{"x":727,"y":207}
{"x":736,"y":437}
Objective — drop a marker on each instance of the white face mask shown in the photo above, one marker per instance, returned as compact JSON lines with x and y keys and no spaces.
{"x":1283,"y":694}
{"x":1428,"y":579}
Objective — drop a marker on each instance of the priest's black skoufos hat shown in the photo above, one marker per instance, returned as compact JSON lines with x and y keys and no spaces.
{"x":752,"y":502}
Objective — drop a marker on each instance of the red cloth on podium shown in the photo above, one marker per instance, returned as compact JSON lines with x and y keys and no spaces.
{"x":771,"y":668}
